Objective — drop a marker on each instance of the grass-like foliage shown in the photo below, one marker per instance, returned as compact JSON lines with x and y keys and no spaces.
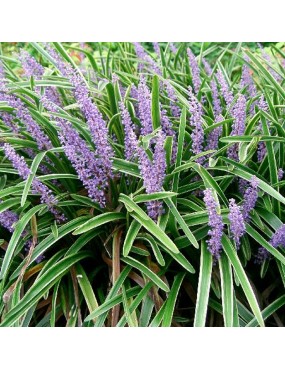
{"x":141,"y":185}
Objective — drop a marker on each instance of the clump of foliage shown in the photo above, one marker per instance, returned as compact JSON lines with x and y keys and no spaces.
{"x":142,"y":186}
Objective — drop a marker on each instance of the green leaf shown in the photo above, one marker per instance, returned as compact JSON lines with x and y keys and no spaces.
{"x":269,"y":310}
{"x":148,"y":223}
{"x":143,"y":294}
{"x":52,"y":239}
{"x":41,"y":286}
{"x":36,"y":162}
{"x":130,"y":237}
{"x":247,"y":174}
{"x":8,"y":204}
{"x":19,"y":228}
{"x":154,"y":247}
{"x":155,"y":111}
{"x":171,"y":300}
{"x":248,"y":291}
{"x":182,"y":223}
{"x":113,"y":292}
{"x":227,"y":290}
{"x":154,"y":196}
{"x":110,"y":303}
{"x":86,"y":288}
{"x":145,"y":271}
{"x":203,"y":286}
{"x":98,"y":221}
{"x":266,"y":74}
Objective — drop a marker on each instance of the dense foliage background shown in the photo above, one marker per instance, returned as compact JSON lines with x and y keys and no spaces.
{"x":106,"y":150}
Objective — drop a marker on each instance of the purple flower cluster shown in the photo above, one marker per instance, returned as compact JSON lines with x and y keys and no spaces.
{"x":20,"y":165}
{"x":266,"y":57}
{"x":153,"y":173}
{"x":246,"y":79}
{"x":197,"y":135}
{"x":173,"y":48}
{"x":2,"y":78}
{"x":175,"y":109}
{"x":278,"y":239}
{"x":33,"y":69}
{"x":237,"y":224}
{"x":156,"y":48}
{"x":215,"y":223}
{"x":226,"y":92}
{"x":167,"y":128}
{"x":130,"y":136}
{"x":216,"y":100}
{"x":8,"y":119}
{"x":24,"y":116}
{"x":214,"y":135}
{"x":261,"y":151}
{"x":280,"y":174}
{"x":95,"y":121}
{"x":207,"y":67}
{"x":262,"y":255}
{"x":144,"y":107}
{"x":239,"y":116}
{"x":8,"y":219}
{"x":86,"y":164}
{"x":214,"y":90}
{"x":195,"y":71}
{"x":250,"y":198}
{"x":143,"y":56}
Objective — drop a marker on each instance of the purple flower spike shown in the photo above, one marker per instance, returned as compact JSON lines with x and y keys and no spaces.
{"x":262,"y":151}
{"x":239,"y":116}
{"x":226,"y":92}
{"x":144,"y":103}
{"x":197,"y":135}
{"x":195,"y":71}
{"x":156,"y":48}
{"x":173,"y":48}
{"x":167,"y":128}
{"x":23,"y":114}
{"x":153,"y":174}
{"x":237,"y":224}
{"x":214,"y":135}
{"x":89,"y":168}
{"x":266,"y":57}
{"x":131,"y":142}
{"x":215,"y":223}
{"x":8,"y":119}
{"x":3,"y":87}
{"x":280,"y":174}
{"x":31,"y":67}
{"x":262,"y":255}
{"x":216,"y":100}
{"x":247,"y":82}
{"x":143,"y":56}
{"x":8,"y":219}
{"x":278,"y":239}
{"x":207,"y":67}
{"x":94,"y":118}
{"x":21,"y":166}
{"x":250,"y":198}
{"x":175,"y":109}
